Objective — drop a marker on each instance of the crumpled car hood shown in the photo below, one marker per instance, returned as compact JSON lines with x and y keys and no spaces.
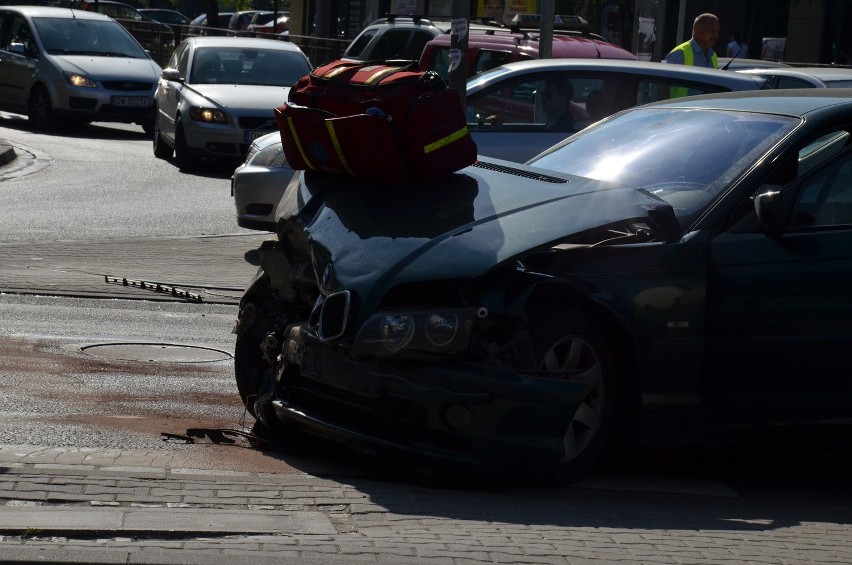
{"x":241,"y":98}
{"x":369,"y":238}
{"x":111,"y":68}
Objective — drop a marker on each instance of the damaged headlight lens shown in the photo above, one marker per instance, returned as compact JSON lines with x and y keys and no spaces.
{"x":415,"y":334}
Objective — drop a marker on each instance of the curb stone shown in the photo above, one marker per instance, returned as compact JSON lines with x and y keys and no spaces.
{"x":7,"y":153}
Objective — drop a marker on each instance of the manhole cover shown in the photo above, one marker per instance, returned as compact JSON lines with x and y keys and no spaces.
{"x":165,"y":352}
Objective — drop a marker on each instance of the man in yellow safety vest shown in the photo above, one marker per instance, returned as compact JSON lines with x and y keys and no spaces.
{"x":698,"y":51}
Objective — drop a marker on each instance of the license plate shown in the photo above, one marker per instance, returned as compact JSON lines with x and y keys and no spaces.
{"x":131,"y":101}
{"x":253,"y":134}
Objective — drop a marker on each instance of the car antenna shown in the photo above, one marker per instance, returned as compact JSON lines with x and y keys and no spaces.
{"x":731,"y":60}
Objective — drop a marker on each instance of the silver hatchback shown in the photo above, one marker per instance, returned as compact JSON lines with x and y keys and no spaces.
{"x":62,"y":65}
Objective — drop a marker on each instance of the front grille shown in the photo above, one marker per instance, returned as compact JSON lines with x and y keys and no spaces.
{"x":79,"y":103}
{"x":258,"y":122}
{"x":220,"y":148}
{"x":333,"y":315}
{"x":127,"y":86}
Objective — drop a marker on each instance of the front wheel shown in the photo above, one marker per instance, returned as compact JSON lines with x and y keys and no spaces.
{"x":161,"y":150}
{"x":579,"y":350}
{"x":40,"y":109}
{"x":183,"y":158}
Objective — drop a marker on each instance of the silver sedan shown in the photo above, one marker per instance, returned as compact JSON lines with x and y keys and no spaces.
{"x":217,"y":95}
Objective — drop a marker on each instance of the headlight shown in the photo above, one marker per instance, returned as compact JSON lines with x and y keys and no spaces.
{"x":210,"y":115}
{"x":81,"y":81}
{"x":415,"y":334}
{"x":272,"y":157}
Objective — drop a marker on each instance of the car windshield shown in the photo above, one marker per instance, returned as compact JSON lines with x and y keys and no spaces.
{"x":75,"y":36}
{"x":685,"y":157}
{"x":247,"y":66}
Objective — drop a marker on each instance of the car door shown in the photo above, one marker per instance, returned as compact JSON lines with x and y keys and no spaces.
{"x":169,"y":92}
{"x":780,"y":306}
{"x":18,"y":58}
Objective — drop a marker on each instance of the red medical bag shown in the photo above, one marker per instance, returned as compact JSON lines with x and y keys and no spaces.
{"x":375,"y":121}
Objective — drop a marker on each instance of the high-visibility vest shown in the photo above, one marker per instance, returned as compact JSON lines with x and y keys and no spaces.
{"x":686,"y":49}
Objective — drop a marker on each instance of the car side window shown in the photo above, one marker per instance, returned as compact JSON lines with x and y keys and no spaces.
{"x":825,"y":197}
{"x":791,"y":82}
{"x":822,"y":199}
{"x":17,"y":32}
{"x":514,"y":106}
{"x":487,"y":59}
{"x":183,"y":62}
{"x":418,"y":44}
{"x":652,"y":90}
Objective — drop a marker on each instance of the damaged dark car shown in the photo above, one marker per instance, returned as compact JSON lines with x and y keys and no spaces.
{"x":682,"y":267}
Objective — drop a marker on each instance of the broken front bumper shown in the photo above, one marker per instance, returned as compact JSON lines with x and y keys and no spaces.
{"x":454,"y":412}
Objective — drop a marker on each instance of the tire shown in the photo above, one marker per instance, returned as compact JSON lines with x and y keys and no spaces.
{"x":182,"y":156}
{"x":580,"y":350}
{"x":148,"y":127}
{"x":40,"y":109}
{"x":161,"y":150}
{"x":250,"y":366}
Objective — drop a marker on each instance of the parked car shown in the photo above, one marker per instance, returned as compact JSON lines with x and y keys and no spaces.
{"x":171,"y":17}
{"x":505,"y":110}
{"x":511,"y":93}
{"x":240,"y":20}
{"x":489,"y":47}
{"x":259,"y":182}
{"x":62,"y":66}
{"x":152,"y":34}
{"x":263,"y":26}
{"x":394,"y":37}
{"x":679,"y":271}
{"x":217,"y":95}
{"x":198,"y":26}
{"x":804,"y":77}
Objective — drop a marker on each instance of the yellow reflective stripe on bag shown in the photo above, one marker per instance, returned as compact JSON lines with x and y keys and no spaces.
{"x":379,"y":75}
{"x":331,"y":133}
{"x":299,"y":144}
{"x":446,"y":140}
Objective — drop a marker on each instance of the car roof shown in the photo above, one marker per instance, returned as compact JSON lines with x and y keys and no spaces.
{"x":565,"y":44}
{"x":684,"y":72}
{"x":788,"y":72}
{"x":55,"y":12}
{"x":410,"y":21}
{"x":826,"y":73}
{"x":241,"y":42}
{"x":739,"y":63}
{"x":792,"y":102}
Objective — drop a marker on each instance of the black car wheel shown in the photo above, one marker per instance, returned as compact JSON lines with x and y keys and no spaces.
{"x":161,"y":150}
{"x":255,"y":375}
{"x":579,"y":351}
{"x":148,"y":127}
{"x":40,"y":110}
{"x":182,"y":156}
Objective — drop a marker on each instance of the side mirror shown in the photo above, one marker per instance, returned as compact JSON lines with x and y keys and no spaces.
{"x":171,"y":75}
{"x":18,"y":48}
{"x":770,"y":210}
